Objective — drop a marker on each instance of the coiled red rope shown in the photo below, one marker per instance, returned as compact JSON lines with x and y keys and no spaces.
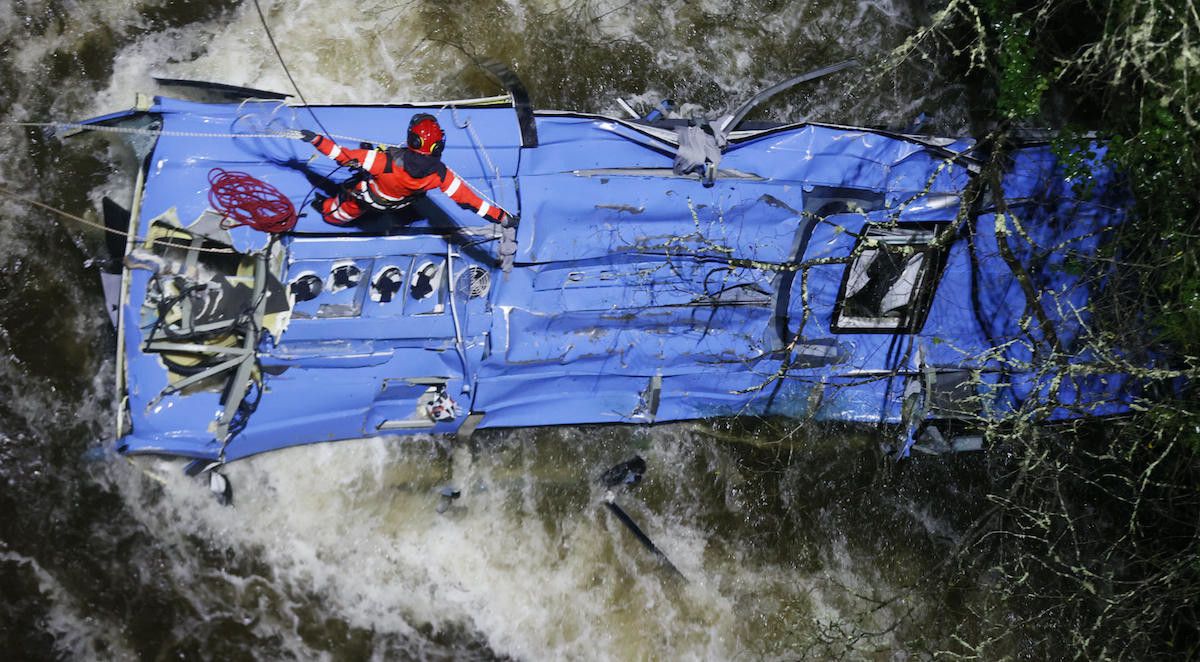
{"x":245,"y":200}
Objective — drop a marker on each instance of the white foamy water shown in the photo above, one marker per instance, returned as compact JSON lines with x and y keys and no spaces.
{"x":339,"y":551}
{"x":356,"y":526}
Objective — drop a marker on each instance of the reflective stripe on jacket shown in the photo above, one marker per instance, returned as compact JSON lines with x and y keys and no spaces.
{"x":398,"y":174}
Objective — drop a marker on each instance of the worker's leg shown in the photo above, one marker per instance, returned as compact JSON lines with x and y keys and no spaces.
{"x":342,"y":209}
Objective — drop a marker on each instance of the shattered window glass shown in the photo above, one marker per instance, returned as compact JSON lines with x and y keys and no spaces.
{"x":887,"y":287}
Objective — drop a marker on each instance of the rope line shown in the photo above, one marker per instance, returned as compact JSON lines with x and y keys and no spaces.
{"x":494,"y":180}
{"x":290,"y":134}
{"x":93,"y":224}
{"x":279,"y":56}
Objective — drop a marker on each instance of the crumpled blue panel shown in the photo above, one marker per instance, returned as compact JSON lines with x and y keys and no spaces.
{"x":859,"y":158}
{"x":670,"y":339}
{"x":636,"y":295}
{"x":644,"y":281}
{"x":573,"y":217}
{"x":567,"y":143}
{"x":555,"y":397}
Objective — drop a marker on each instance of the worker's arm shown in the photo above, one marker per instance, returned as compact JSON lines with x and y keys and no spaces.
{"x":461,"y":192}
{"x":368,"y":159}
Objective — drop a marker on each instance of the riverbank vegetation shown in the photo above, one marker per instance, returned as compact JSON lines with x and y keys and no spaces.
{"x":1090,"y":547}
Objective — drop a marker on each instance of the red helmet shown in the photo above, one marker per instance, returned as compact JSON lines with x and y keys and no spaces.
{"x":425,"y":135}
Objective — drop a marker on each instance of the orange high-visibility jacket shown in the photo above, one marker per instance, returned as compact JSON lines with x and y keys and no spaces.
{"x":397,"y":174}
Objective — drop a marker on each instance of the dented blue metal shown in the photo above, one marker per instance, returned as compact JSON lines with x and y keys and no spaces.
{"x":829,"y":273}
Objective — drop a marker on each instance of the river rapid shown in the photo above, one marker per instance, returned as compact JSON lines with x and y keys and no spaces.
{"x":792,"y":540}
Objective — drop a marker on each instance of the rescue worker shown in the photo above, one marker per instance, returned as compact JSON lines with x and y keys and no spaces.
{"x":392,"y":178}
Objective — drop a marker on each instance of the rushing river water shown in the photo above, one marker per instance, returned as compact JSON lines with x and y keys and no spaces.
{"x":785,"y":535}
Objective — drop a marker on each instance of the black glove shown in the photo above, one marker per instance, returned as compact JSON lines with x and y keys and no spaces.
{"x":308,"y":136}
{"x":509,"y":220}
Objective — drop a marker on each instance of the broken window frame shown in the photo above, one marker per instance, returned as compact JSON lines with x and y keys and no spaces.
{"x":892,"y":237}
